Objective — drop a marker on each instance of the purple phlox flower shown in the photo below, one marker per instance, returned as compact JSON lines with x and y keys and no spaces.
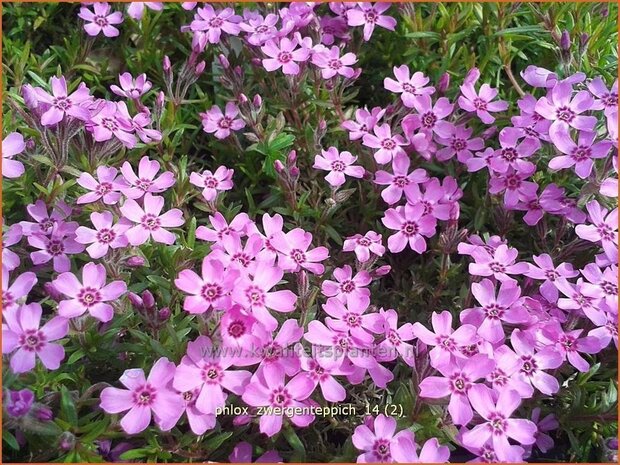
{"x":268,"y":388}
{"x":506,"y":307}
{"x":607,"y":331}
{"x":26,"y":339}
{"x":505,"y":374}
{"x":259,"y":29}
{"x":222,"y":230}
{"x":603,"y":228}
{"x":332,"y":28}
{"x":61,"y":103}
{"x":112,"y":454}
{"x":401,"y":181}
{"x":296,"y":17}
{"x":107,"y":186}
{"x":279,"y":349}
{"x":135,"y":10}
{"x":199,"y":422}
{"x":498,"y":425}
{"x":271,"y":226}
{"x":18,"y":403}
{"x":606,"y":99}
{"x":237,"y":330}
{"x":412,"y":225}
{"x":150,"y":222}
{"x":235,"y":255}
{"x":486,"y":453}
{"x":90,"y":295}
{"x":432,"y":199}
{"x":13,"y":144}
{"x":222,"y":124}
{"x":242,"y":453}
{"x":12,"y":235}
{"x":580,"y":154}
{"x":106,"y":121}
{"x":602,"y":280}
{"x":532,"y":363}
{"x":580,"y":296}
{"x":56,"y":247}
{"x":46,"y":222}
{"x":431,"y":451}
{"x":412,"y":86}
{"x":350,"y":319}
{"x":331,"y":63}
{"x":347,"y":288}
{"x":480,"y":160}
{"x":285,"y":54}
{"x":364,"y":246}
{"x":456,"y":381}
{"x":609,"y":186}
{"x":480,"y":102}
{"x":331,"y":389}
{"x":458,"y":141}
{"x":540,"y":77}
{"x":294,"y":253}
{"x":544,"y":442}
{"x":489,"y":244}
{"x":429,"y":118}
{"x":255,"y":294}
{"x":370,"y":15}
{"x":381,"y":443}
{"x":549,"y":273}
{"x":512,"y":183}
{"x":550,"y":201}
{"x":569,"y":344}
{"x":571,"y":211}
{"x":212,"y":290}
{"x":365,"y":122}
{"x":101,"y":19}
{"x":105,"y":235}
{"x":131,"y":88}
{"x":145,"y":397}
{"x":146,"y":180}
{"x":499,"y":264}
{"x":139,"y":123}
{"x":446,"y":340}
{"x":213,"y":182}
{"x":395,"y":342}
{"x":564,"y":110}
{"x":207,"y":370}
{"x":512,"y":153}
{"x":338,"y":164}
{"x":211,"y":23}
{"x":16,"y":294}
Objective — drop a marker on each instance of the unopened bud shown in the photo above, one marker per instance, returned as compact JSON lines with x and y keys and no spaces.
{"x":238,"y":71}
{"x":135,"y":261}
{"x":30,"y":144}
{"x":241,"y":420}
{"x":167,"y":65}
{"x":565,"y":41}
{"x":223,"y":61}
{"x":382,"y":270}
{"x":135,"y":301}
{"x":148,"y":299}
{"x":257,"y":101}
{"x":256,"y":62}
{"x":279,"y":167}
{"x":30,"y":96}
{"x":444,"y":83}
{"x":160,"y":100}
{"x":294,"y":172}
{"x":292,"y":157}
{"x":43,"y":413}
{"x":66,"y":441}
{"x":200,"y":67}
{"x":52,"y":292}
{"x":489,"y":132}
{"x":164,"y":314}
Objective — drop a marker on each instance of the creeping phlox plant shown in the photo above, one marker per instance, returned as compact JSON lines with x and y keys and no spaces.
{"x":196,"y":323}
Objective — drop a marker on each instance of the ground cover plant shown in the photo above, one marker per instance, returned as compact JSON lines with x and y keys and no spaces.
{"x":309,"y":232}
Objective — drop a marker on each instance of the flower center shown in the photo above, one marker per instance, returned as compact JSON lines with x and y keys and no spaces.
{"x":338,"y":165}
{"x":429,"y":119}
{"x":89,"y":296}
{"x":145,"y":396}
{"x":609,"y":288}
{"x":298,"y":256}
{"x":494,"y":311}
{"x":150,"y":222}
{"x":388,"y":144}
{"x":409,"y":88}
{"x":382,"y":450}
{"x":144,"y":184}
{"x":32,"y":340}
{"x":62,"y":103}
{"x":280,"y":397}
{"x":480,"y":104}
{"x":215,"y":23}
{"x":410,"y":228}
{"x":370,"y":16}
{"x":528,"y":365}
{"x":105,"y":236}
{"x":55,"y":247}
{"x":225,"y":122}
{"x":565,"y":114}
{"x":211,"y":182}
{"x":610,"y":100}
{"x":400,"y":181}
{"x":104,"y":188}
{"x":255,"y":295}
{"x":459,"y":144}
{"x":236,"y":329}
{"x":284,"y":57}
{"x":497,"y":267}
{"x":335,"y":64}
{"x":498,"y":424}
{"x":581,"y":153}
{"x":211,"y":373}
{"x":211,"y":291}
{"x":347,"y":286}
{"x":509,"y":154}
{"x":272,"y":351}
{"x":101,"y":21}
{"x":109,"y":123}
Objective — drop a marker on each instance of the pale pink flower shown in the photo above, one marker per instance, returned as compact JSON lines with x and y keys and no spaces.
{"x":294,"y":253}
{"x":412,"y":225}
{"x":222,"y":124}
{"x":331,"y":63}
{"x":62,"y":104}
{"x":370,"y":15}
{"x":347,"y":288}
{"x":101,"y":20}
{"x":388,"y":146}
{"x":409,"y":86}
{"x":212,"y":183}
{"x":146,"y":180}
{"x":284,"y":54}
{"x":105,"y":235}
{"x":364,"y":246}
{"x":13,"y":144}
{"x":150,"y":222}
{"x":338,"y":164}
{"x":132,"y":88}
{"x":107,"y":186}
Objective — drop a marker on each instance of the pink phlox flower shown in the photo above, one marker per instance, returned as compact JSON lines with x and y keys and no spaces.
{"x":350,"y":319}
{"x":431,"y":451}
{"x":106,"y":122}
{"x":564,"y":110}
{"x":259,"y":29}
{"x":145,"y":398}
{"x":429,"y":118}
{"x":347,"y":288}
{"x":61,"y":103}
{"x":395,"y":342}
{"x":569,"y":344}
{"x":512,"y":153}
{"x":603,"y":227}
{"x":281,"y":348}
{"x":199,"y":422}
{"x":431,"y":198}
{"x":544,"y":442}
{"x":57,"y":246}
{"x":512,"y":183}
{"x":146,"y":180}
{"x":268,"y":389}
{"x":105,"y":235}
{"x":410,"y":86}
{"x":212,"y":23}
{"x":606,"y":99}
{"x":333,"y":28}
{"x":286,"y":54}
{"x":546,"y":271}
{"x":15,"y":294}
{"x":135,"y":10}
{"x":139,"y":123}
{"x":505,"y":375}
{"x":550,"y":201}
{"x":457,"y":380}
{"x":150,"y":222}
{"x":26,"y":339}
{"x":243,"y":257}
{"x":211,"y":290}
{"x":499,"y":264}
{"x":237,"y":330}
{"x":338,"y":164}
{"x":131,"y":88}
{"x":445,"y":340}
{"x":480,"y":160}
{"x":364,"y":246}
{"x":605,"y":281}
{"x":90,"y":295}
{"x":412,"y":225}
{"x":387,"y":145}
{"x":106,"y":187}
{"x":458,"y":141}
{"x":480,"y":102}
{"x":213,"y":182}
{"x":13,"y":144}
{"x":242,"y":453}
{"x":294,"y":251}
{"x":207,"y":369}
{"x":11,"y":235}
{"x":579,"y":155}
{"x":44,"y":221}
{"x":381,"y":443}
{"x":331,"y":63}
{"x":370,"y":15}
{"x":507,"y":307}
{"x":490,"y":244}
{"x":331,"y":389}
{"x":401,"y":180}
{"x":222,"y":124}
{"x":364,"y":123}
{"x":101,"y":19}
{"x":222,"y":230}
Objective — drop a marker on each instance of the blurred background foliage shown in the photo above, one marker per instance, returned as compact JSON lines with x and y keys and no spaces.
{"x":46,"y":39}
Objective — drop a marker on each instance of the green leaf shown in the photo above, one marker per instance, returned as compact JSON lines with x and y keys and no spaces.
{"x":67,"y":407}
{"x":8,"y":437}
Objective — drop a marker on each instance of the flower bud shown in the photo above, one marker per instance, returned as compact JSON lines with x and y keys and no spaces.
{"x":294,"y":172}
{"x":223,"y":61}
{"x":292,"y":157}
{"x":164,"y":314}
{"x":279,"y":167}
{"x":166,"y":64}
{"x":43,"y":413}
{"x":66,"y":441}
{"x":135,"y":261}
{"x":444,"y":83}
{"x":135,"y":301}
{"x":565,"y":41}
{"x":257,"y":101}
{"x":489,"y":132}
{"x":30,"y":96}
{"x":256,"y":62}
{"x":241,"y":420}
{"x":52,"y":292}
{"x":238,"y":71}
{"x":200,"y":67}
{"x":242,"y":98}
{"x":30,"y":144}
{"x":148,"y":300}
